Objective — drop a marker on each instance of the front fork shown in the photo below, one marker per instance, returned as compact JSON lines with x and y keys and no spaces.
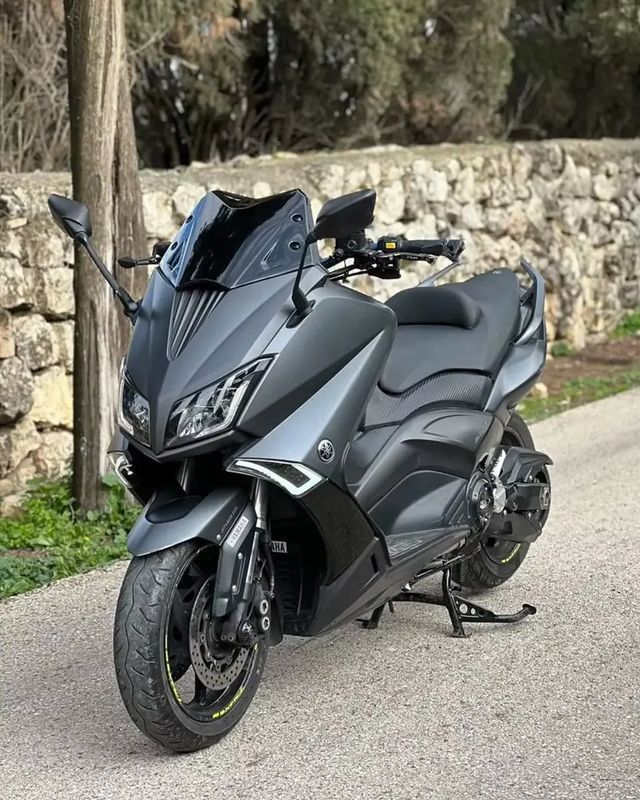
{"x":260,"y":497}
{"x":252,"y":591}
{"x":262,"y":546}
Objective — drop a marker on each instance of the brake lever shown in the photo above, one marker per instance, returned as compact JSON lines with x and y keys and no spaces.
{"x":127,"y":262}
{"x":416,"y":257}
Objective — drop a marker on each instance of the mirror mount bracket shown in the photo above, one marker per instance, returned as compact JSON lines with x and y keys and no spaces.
{"x":129,"y":305}
{"x":74,"y":219}
{"x":337,"y":219}
{"x":300,"y":300}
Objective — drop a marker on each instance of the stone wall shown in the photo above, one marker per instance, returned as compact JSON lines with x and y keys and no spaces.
{"x":570,"y":207}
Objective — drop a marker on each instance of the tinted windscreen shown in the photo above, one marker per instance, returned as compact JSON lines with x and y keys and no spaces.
{"x":229,"y":240}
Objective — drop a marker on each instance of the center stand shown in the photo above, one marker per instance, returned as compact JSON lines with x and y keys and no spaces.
{"x":460,"y":610}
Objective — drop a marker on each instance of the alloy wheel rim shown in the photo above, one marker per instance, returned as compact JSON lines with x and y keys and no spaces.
{"x":196,"y":699}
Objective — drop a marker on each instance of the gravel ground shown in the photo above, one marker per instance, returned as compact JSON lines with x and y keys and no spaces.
{"x":547,"y":709}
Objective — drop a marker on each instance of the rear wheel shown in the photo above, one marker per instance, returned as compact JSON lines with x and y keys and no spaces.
{"x":181,"y":687}
{"x":498,"y":559}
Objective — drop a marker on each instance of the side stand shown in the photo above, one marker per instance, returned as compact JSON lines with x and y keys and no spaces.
{"x":460,"y":610}
{"x":374,"y":620}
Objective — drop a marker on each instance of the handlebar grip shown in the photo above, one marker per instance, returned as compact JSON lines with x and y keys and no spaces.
{"x":451,"y":248}
{"x":427,"y":247}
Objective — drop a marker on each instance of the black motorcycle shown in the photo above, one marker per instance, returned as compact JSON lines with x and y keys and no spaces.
{"x":305,"y":453}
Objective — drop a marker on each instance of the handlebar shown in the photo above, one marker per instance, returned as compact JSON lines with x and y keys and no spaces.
{"x":381,"y":259}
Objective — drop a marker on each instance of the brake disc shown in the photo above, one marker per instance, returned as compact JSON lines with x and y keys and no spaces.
{"x":215,"y":668}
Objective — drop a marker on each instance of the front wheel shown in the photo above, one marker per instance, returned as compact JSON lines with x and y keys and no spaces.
{"x":181,"y":688}
{"x":497,"y":560}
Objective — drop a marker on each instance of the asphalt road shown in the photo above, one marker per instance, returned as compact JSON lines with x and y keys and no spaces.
{"x":547,"y":709}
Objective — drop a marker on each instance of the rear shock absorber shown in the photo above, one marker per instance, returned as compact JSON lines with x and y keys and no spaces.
{"x":499,"y":492}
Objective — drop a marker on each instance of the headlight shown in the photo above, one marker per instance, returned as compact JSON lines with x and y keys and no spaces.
{"x":133,"y":410}
{"x":212,"y":409}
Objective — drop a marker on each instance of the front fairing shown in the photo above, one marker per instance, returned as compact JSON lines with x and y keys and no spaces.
{"x":233,"y":328}
{"x":218,"y":297}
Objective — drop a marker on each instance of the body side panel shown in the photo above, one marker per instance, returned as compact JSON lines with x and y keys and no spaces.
{"x":331,"y":413}
{"x":448,"y":440}
{"x":311,"y":353}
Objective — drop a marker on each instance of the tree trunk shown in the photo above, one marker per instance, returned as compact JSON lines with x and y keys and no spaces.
{"x":104,"y":168}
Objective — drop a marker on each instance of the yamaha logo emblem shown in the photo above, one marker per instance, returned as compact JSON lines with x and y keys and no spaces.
{"x":326,"y":451}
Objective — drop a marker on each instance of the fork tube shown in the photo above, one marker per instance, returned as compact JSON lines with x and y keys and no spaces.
{"x":260,"y":501}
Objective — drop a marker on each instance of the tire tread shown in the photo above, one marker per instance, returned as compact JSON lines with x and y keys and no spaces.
{"x":137,"y":660}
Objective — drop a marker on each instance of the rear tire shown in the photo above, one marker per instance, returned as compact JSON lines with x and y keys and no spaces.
{"x":151,"y":652}
{"x":497,"y":560}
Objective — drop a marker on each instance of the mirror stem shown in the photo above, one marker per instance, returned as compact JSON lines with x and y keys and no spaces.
{"x":303,"y":306}
{"x":128,"y":303}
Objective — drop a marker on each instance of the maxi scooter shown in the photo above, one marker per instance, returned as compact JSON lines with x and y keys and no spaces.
{"x":303,"y":453}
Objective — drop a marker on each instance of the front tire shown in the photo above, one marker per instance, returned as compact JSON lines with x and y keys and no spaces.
{"x":154,"y":649}
{"x":497,"y":560}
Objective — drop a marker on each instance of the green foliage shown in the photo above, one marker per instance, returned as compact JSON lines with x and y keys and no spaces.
{"x":220,"y":78}
{"x":576,"y":68}
{"x":335,"y":67}
{"x":576,"y":393}
{"x":50,"y":540}
{"x":193,"y":93}
{"x":561,"y":349}
{"x":457,"y":71}
{"x":629,"y":326}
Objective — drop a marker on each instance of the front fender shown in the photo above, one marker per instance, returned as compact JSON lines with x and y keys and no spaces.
{"x":168,"y":520}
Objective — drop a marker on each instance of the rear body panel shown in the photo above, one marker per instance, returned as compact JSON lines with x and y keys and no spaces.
{"x":417,"y":482}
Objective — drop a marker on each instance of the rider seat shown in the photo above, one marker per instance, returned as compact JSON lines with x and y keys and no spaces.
{"x":450,"y":342}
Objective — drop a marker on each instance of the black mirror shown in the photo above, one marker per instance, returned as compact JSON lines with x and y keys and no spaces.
{"x":72,"y":217}
{"x":345,"y":215}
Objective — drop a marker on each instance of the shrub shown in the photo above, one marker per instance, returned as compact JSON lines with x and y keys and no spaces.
{"x":628,"y":326}
{"x":51,"y":540}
